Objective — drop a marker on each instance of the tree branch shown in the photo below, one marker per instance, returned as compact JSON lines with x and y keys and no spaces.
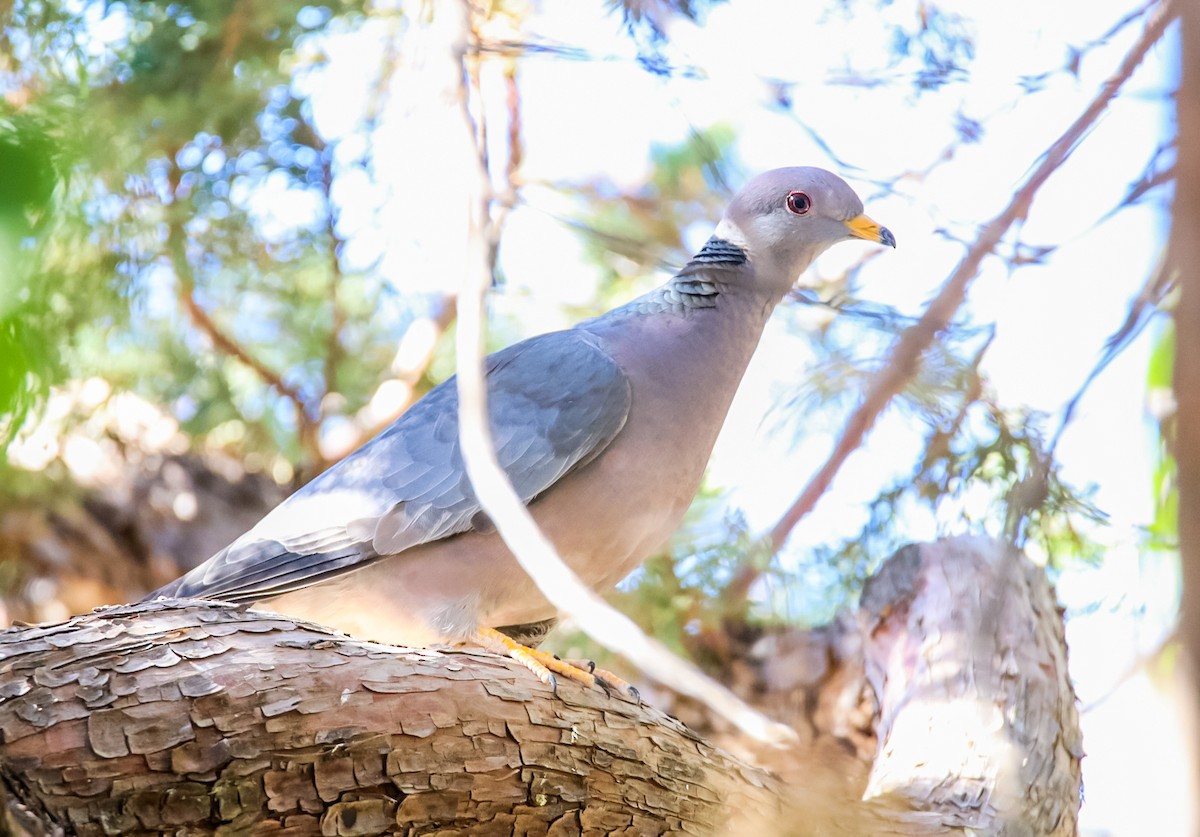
{"x":536,"y":555}
{"x":1184,"y":253}
{"x":201,"y":714}
{"x":398,"y":392}
{"x":200,"y":717}
{"x":907,"y":351}
{"x":223,"y":342}
{"x":333,"y":349}
{"x":964,"y":637}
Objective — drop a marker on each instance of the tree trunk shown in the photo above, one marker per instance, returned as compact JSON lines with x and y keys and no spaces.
{"x":1185,"y":258}
{"x":206,"y":718}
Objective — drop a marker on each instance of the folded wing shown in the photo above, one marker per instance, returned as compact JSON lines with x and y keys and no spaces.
{"x":555,"y":402}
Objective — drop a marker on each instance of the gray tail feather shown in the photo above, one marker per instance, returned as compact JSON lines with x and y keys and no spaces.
{"x":270,"y":570}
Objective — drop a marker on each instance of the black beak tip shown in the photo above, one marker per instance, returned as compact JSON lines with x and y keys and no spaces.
{"x":886,"y":237}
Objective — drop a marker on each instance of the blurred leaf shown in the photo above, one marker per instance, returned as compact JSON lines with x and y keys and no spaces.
{"x":1164,"y":530}
{"x":27,"y":342}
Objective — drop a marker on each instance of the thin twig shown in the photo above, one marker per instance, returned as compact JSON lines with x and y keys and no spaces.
{"x":1148,"y":302}
{"x":229,"y":346}
{"x":233,"y":32}
{"x":536,"y":555}
{"x":337,"y":315}
{"x":907,"y":351}
{"x":1141,"y":663}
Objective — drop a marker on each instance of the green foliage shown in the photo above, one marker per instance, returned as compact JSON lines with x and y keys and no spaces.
{"x":1163,"y":533}
{"x":26,"y":197}
{"x":171,"y":127}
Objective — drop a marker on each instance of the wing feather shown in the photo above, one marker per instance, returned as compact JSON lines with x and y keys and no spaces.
{"x":555,"y":402}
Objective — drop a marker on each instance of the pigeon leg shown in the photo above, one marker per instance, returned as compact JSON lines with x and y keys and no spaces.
{"x":541,"y":663}
{"x":609,"y":681}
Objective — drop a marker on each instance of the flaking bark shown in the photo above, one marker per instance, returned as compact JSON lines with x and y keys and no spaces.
{"x":212,"y":719}
{"x":209,"y":719}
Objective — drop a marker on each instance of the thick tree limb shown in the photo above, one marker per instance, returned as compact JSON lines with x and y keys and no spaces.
{"x":941,"y":704}
{"x":209,"y":719}
{"x":149,"y":718}
{"x":993,"y":744}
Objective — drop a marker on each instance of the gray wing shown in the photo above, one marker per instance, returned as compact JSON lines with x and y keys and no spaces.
{"x":555,"y":402}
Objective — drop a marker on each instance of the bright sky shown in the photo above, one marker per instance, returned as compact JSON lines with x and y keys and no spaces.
{"x":585,"y":119}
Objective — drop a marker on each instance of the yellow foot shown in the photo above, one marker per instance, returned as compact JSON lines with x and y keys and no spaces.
{"x":606,"y":679}
{"x":545,"y":665}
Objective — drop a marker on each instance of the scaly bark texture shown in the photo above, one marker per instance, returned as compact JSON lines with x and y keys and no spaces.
{"x":942,"y":705}
{"x":965,"y":650}
{"x":208,"y":719}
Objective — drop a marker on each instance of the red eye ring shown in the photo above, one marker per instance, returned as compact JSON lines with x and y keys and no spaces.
{"x":798,"y":203}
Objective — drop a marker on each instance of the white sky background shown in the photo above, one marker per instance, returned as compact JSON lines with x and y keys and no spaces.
{"x":587,"y":119}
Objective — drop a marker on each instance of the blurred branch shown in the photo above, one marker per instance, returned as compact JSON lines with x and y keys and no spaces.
{"x":223,"y":342}
{"x":533,"y":551}
{"x":1150,"y":299}
{"x":397,"y":392}
{"x":233,"y":33}
{"x":1185,"y":254}
{"x":417,"y":346}
{"x":410,"y":364}
{"x":1152,"y":177}
{"x":1148,"y":302}
{"x":500,"y":202}
{"x":1149,"y":182}
{"x":505,"y":199}
{"x":942,"y":437}
{"x":337,"y":315}
{"x":1075,"y":54}
{"x":886,"y":317}
{"x":544,"y":48}
{"x":1144,"y":662}
{"x":908,"y":350}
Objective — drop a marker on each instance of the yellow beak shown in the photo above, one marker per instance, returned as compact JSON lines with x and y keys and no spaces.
{"x":863,"y":227}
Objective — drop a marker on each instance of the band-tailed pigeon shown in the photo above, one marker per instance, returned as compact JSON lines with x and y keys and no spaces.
{"x":604,"y":429}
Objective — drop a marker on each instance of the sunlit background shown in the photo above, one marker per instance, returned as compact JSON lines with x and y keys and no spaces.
{"x":936,"y":132}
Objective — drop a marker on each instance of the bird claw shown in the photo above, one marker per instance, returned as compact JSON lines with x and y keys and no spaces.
{"x":545,"y":665}
{"x":604,"y":685}
{"x":608,"y":681}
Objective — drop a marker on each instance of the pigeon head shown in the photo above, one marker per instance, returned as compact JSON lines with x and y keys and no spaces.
{"x":785,"y":218}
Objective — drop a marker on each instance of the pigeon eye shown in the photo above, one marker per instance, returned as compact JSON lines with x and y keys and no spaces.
{"x":799,"y":203}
